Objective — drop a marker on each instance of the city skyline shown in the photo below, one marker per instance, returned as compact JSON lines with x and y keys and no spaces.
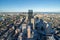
{"x":25,"y":5}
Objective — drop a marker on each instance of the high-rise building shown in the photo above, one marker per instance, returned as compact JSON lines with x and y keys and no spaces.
{"x":20,"y":36}
{"x":23,"y":27}
{"x":30,"y":15}
{"x":29,"y":32}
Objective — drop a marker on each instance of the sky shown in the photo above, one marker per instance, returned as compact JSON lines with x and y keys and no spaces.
{"x":25,"y":5}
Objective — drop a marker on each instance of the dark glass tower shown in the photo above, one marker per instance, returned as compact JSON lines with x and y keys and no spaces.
{"x":30,"y":15}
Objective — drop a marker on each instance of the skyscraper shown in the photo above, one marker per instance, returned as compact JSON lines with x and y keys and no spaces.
{"x":30,"y":15}
{"x":29,"y":32}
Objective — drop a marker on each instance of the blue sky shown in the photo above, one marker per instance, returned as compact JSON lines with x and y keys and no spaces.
{"x":25,"y":5}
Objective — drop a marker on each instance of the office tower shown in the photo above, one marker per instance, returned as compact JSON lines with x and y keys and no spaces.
{"x":29,"y":32}
{"x":30,"y":15}
{"x":20,"y":36}
{"x":32,"y":21}
{"x":36,"y":21}
{"x":23,"y":27}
